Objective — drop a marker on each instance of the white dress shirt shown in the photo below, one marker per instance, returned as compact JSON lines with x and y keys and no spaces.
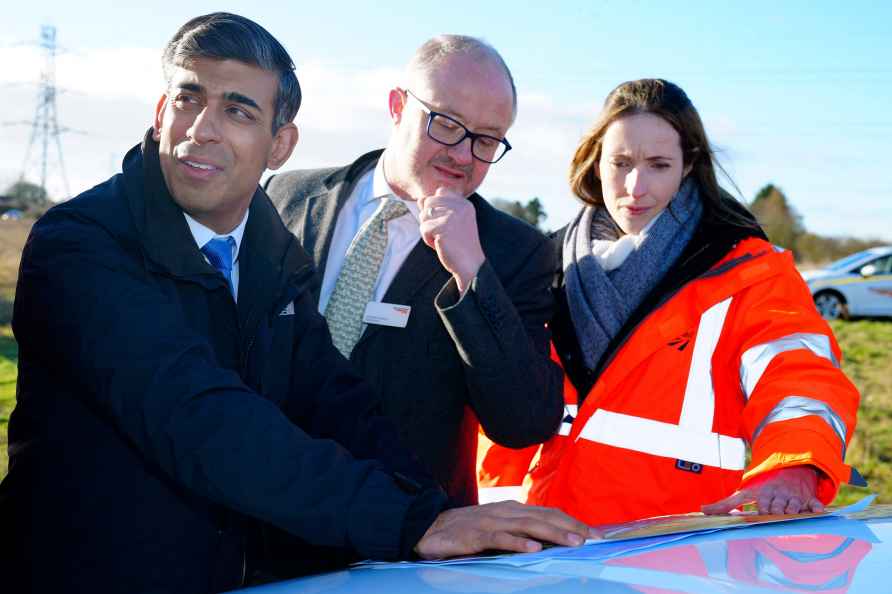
{"x":402,"y":233}
{"x":202,"y":235}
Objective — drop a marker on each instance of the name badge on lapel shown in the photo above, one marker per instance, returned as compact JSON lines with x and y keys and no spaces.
{"x":386,"y":314}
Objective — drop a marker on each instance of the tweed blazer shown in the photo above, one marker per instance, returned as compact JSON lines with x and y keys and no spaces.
{"x":484,"y":356}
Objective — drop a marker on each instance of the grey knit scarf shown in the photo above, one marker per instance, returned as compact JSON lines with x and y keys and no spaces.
{"x":600,"y":302}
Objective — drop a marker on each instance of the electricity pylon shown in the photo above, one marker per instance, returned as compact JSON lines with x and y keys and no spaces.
{"x":45,"y":129}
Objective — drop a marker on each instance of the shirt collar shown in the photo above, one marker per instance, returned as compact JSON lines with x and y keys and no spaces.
{"x":203,"y":235}
{"x":381,"y":189}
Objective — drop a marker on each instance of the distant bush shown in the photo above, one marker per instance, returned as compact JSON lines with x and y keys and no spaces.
{"x":814,"y":249}
{"x":778,"y":218}
{"x":532,"y":212}
{"x":29,"y":198}
{"x":784,"y":228}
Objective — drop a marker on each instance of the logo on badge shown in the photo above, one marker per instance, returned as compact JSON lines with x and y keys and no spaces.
{"x":688,"y":466}
{"x":680,"y":342}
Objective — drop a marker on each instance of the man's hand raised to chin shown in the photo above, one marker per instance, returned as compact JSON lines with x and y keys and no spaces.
{"x":449,"y":226}
{"x":503,"y":526}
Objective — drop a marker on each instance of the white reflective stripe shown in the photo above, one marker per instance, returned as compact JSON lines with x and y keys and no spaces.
{"x":795,"y":407}
{"x":665,"y":439}
{"x":494,"y":494}
{"x":570,"y":412}
{"x":756,"y":359}
{"x":698,"y":408}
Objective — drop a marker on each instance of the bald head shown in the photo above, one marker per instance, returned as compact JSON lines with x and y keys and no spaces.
{"x":435,"y":52}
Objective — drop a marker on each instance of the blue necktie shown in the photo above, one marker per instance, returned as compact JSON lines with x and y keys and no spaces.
{"x":219,"y":253}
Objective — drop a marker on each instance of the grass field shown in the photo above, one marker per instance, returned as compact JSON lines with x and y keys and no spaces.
{"x":8,"y":360}
{"x":12,"y":238}
{"x":867,"y":360}
{"x":866,"y":346}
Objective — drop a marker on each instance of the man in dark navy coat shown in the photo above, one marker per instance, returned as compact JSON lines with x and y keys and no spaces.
{"x":177,"y":388}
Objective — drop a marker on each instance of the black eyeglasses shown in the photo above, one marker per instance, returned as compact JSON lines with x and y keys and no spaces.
{"x":449,"y":131}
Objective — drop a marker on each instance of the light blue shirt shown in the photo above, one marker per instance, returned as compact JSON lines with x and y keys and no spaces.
{"x":202,"y":235}
{"x":402,"y":233}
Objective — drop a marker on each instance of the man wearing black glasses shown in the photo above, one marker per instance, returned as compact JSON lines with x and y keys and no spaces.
{"x":437,"y":298}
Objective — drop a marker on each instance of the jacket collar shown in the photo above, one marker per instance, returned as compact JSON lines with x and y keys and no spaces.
{"x":159,"y":221}
{"x":268,"y":256}
{"x":711,"y":242}
{"x":321,"y":208}
{"x":346,"y":177}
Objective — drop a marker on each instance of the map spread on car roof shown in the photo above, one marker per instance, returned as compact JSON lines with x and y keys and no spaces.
{"x":620,"y":539}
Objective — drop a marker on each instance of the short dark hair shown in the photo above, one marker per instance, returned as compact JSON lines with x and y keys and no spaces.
{"x":226,"y":36}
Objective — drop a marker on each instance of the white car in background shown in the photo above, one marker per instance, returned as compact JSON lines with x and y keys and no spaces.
{"x":858,"y":285}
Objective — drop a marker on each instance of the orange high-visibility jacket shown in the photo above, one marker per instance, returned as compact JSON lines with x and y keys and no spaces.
{"x":737,"y":356}
{"x":503,"y":473}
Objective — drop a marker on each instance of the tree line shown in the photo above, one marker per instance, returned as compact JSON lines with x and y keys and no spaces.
{"x":31,"y":199}
{"x":784,"y":228}
{"x":772,"y":209}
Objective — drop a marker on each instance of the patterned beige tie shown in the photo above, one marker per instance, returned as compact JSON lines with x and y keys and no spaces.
{"x":356,"y":281}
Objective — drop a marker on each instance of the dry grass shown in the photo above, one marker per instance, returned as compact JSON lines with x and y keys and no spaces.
{"x":12,"y":238}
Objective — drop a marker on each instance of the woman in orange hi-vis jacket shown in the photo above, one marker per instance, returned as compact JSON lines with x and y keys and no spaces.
{"x":685,"y":336}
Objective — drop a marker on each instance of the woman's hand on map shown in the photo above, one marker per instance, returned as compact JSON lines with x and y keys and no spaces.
{"x":789,"y":490}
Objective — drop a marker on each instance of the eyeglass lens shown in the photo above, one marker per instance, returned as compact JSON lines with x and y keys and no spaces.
{"x":448,"y":131}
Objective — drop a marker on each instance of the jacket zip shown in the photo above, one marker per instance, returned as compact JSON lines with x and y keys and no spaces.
{"x":293,"y":287}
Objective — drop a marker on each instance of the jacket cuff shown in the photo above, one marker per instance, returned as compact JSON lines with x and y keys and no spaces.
{"x":389,"y":510}
{"x":812,"y":449}
{"x":422,"y":513}
{"x":450,"y":297}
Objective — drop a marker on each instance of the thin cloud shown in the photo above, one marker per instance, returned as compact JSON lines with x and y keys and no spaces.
{"x":338,"y":99}
{"x":344,"y":113}
{"x":111,"y":96}
{"x":122,"y":72}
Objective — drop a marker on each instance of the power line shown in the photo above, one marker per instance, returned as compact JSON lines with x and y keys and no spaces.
{"x":45,"y":129}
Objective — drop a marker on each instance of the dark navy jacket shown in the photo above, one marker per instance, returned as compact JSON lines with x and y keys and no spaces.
{"x":158,"y":423}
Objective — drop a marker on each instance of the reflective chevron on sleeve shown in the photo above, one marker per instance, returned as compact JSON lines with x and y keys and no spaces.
{"x":756,"y":359}
{"x":796,"y":407}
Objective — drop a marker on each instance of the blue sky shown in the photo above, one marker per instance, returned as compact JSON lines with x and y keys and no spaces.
{"x":794,"y":93}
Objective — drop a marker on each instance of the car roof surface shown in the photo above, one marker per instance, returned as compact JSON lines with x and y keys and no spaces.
{"x":849,"y":553}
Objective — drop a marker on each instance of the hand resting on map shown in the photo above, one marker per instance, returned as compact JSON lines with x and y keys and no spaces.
{"x":790,"y":490}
